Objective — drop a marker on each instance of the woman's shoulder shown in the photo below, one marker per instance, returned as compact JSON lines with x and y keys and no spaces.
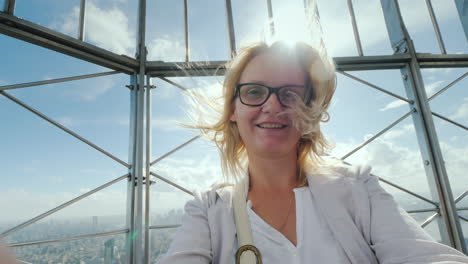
{"x":337,"y":171}
{"x":219,"y":192}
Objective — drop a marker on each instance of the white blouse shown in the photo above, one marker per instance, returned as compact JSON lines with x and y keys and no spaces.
{"x":315,"y":243}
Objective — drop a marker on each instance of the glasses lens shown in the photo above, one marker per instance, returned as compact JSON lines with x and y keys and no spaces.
{"x":290,"y":96}
{"x":253,"y":94}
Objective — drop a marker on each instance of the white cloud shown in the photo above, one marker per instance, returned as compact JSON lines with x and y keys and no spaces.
{"x":402,"y":164}
{"x":461,"y":113}
{"x":395,"y":133}
{"x":192,"y":174}
{"x":432,"y":87}
{"x":89,"y":90}
{"x":165,"y":124}
{"x":166,"y":48}
{"x":393,"y":104}
{"x":107,"y":28}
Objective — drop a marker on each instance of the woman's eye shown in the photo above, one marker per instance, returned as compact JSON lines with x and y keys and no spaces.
{"x":255,"y":91}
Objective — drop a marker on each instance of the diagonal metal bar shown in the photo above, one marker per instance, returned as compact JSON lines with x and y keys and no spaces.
{"x":409,"y":192}
{"x":164,"y":226}
{"x":436,"y":27}
{"x":429,"y":220}
{"x":59,"y":80}
{"x":449,"y":120}
{"x":60,"y":207}
{"x":422,"y":211}
{"x":400,"y":188}
{"x":30,"y":243}
{"x":463,"y":218}
{"x":376,"y":135}
{"x":448,"y":86}
{"x":55,"y":123}
{"x":175,"y":84}
{"x":374,"y":86}
{"x":355,"y":28}
{"x":171,"y":183}
{"x":459,"y":198}
{"x":174,"y":150}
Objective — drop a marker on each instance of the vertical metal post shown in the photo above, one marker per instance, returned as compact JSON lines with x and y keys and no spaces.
{"x":462,"y":7}
{"x":425,"y":130}
{"x":230,"y":24}
{"x":147,"y":169}
{"x":9,"y":7}
{"x":355,"y":29}
{"x":271,"y":22}
{"x":81,"y":30}
{"x":436,"y":27}
{"x":135,"y":188}
{"x":131,"y":160}
{"x":187,"y":50}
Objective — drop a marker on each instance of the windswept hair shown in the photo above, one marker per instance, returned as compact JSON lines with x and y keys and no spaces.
{"x":306,"y":117}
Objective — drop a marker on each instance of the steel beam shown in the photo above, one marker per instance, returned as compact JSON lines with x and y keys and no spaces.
{"x":231,"y":31}
{"x":70,"y":132}
{"x":164,"y":226}
{"x":174,"y":150}
{"x":436,"y":27}
{"x":62,"y":206}
{"x":186,"y":35}
{"x":9,"y":7}
{"x":353,"y":63}
{"x":47,"y":38}
{"x":30,"y":243}
{"x":355,"y":28}
{"x":130,"y":221}
{"x":271,"y":22}
{"x":147,"y":221}
{"x":462,"y":8}
{"x":451,"y":232}
{"x":81,"y":29}
{"x":135,"y":254}
{"x":59,"y":80}
{"x":171,"y":183}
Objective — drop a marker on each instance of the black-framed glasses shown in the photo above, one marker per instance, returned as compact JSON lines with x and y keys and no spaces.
{"x":256,"y":94}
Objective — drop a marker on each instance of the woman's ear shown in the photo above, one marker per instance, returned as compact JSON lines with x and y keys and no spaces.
{"x":232,"y":116}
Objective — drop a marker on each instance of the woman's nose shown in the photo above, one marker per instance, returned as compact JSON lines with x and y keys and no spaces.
{"x":272,"y":104}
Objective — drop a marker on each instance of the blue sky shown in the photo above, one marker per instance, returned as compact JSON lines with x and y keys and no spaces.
{"x":43,"y":166}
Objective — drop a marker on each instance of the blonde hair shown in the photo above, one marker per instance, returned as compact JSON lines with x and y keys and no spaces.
{"x":321,"y":83}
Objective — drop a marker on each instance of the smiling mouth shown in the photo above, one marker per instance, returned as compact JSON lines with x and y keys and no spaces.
{"x":271,"y":126}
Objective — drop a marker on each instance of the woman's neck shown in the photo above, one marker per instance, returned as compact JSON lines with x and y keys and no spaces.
{"x":269,"y":175}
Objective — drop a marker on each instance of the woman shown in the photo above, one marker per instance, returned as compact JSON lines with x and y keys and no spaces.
{"x":296,"y":207}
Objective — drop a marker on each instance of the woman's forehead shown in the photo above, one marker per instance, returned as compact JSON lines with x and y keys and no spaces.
{"x":273,"y":70}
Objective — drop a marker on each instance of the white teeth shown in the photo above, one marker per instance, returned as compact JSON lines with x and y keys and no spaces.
{"x":270,"y":125}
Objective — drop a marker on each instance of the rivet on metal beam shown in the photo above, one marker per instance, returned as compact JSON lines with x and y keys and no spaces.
{"x":405,"y":77}
{"x":426,"y":162}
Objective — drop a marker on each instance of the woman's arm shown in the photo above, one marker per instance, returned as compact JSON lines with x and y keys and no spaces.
{"x":397,"y":238}
{"x":192,"y":243}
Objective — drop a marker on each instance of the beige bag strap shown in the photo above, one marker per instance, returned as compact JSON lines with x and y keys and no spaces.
{"x":247,"y":252}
